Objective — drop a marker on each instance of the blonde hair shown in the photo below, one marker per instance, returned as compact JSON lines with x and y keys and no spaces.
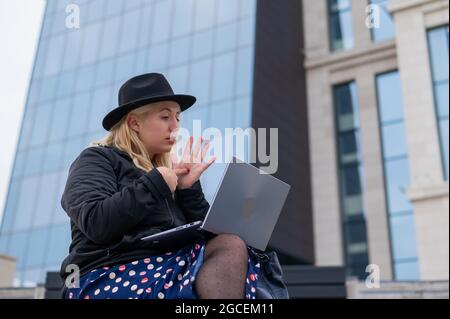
{"x":124,"y":138}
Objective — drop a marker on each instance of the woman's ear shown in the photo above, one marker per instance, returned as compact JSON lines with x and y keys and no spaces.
{"x":133,"y":123}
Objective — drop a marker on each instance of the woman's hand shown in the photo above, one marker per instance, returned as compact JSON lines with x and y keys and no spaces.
{"x":192,"y":161}
{"x":170,"y":176}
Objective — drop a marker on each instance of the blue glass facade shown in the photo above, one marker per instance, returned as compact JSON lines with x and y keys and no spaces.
{"x":350,"y":166}
{"x":438,"y":50}
{"x":386,"y":28}
{"x":397,"y":179}
{"x":205,"y":48}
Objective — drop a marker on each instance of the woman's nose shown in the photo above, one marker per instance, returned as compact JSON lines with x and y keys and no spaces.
{"x":174,"y":125}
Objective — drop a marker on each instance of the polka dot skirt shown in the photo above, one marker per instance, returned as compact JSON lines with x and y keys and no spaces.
{"x":167,"y":276}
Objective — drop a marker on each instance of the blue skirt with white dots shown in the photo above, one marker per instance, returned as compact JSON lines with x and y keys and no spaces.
{"x":167,"y":276}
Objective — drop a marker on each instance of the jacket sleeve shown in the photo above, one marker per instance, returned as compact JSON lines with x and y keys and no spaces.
{"x":93,"y":202}
{"x":192,"y":201}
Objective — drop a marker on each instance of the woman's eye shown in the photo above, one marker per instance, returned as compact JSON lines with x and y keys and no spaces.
{"x":168,"y":117}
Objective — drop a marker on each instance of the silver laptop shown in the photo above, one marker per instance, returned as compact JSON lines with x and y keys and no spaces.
{"x":247,"y":203}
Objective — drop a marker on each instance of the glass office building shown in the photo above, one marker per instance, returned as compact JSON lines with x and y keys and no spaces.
{"x":394,"y":152}
{"x":205,"y":48}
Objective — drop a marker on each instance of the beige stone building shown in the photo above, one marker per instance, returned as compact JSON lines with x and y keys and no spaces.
{"x":378,"y":119}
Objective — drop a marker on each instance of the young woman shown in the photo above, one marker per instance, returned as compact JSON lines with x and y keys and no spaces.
{"x":127,"y":186}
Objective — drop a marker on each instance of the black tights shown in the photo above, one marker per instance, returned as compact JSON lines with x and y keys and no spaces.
{"x":224,"y":268}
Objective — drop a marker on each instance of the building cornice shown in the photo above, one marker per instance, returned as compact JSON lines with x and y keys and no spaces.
{"x":355,"y":57}
{"x":421,"y":193}
{"x":398,"y":6}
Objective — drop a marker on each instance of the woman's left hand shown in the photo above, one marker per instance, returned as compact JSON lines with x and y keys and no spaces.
{"x":193,"y":161}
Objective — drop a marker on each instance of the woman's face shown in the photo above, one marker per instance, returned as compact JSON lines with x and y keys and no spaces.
{"x":157,"y":129}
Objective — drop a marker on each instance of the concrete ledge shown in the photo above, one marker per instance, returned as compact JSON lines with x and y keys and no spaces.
{"x":427,"y":192}
{"x":22,"y":293}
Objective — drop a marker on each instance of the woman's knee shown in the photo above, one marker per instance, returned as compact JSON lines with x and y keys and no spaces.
{"x":226,"y":242}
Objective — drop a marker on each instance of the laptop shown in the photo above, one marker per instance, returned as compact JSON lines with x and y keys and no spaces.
{"x":247,"y":203}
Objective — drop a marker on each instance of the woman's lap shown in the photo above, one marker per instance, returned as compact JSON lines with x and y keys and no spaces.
{"x":166,"y":276}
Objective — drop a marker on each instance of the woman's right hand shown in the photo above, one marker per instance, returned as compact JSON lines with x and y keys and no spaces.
{"x":170,"y":176}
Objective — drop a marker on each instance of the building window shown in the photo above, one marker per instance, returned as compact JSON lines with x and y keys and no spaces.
{"x":396,"y":175}
{"x":438,"y":47}
{"x":350,"y":179}
{"x":194,"y":43}
{"x":340,"y":24}
{"x":386,"y":29}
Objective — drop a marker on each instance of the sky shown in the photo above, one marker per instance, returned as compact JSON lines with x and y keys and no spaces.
{"x":20,"y":23}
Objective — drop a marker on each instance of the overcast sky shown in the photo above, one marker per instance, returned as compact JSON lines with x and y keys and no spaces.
{"x":20,"y":23}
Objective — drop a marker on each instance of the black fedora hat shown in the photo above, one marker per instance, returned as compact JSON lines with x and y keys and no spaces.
{"x":141,"y":90}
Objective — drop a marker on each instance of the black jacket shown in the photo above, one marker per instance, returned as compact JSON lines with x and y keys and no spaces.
{"x":112,"y":204}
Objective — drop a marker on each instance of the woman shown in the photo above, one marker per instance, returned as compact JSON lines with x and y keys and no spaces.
{"x":127,"y":186}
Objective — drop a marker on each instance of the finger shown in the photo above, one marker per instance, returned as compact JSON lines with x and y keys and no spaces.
{"x":181,"y":171}
{"x":205,"y":149}
{"x":187,"y":150}
{"x":209,"y":162}
{"x":197,"y":149}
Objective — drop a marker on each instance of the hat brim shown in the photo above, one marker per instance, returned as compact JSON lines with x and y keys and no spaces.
{"x":113,"y":117}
